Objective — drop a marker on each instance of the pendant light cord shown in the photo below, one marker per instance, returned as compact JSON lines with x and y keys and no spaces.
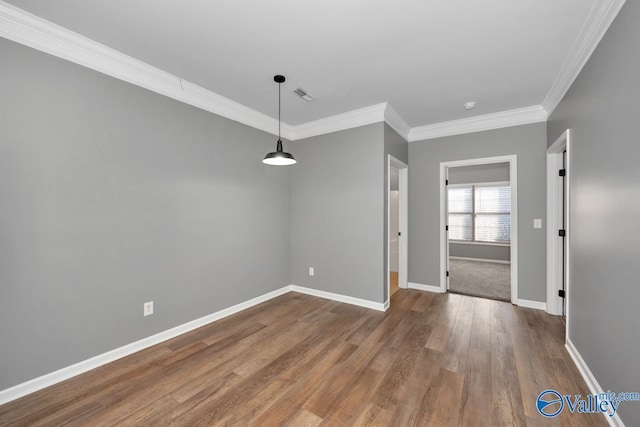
{"x":279,"y":92}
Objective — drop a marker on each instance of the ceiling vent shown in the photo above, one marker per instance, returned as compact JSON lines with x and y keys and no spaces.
{"x":304,"y":95}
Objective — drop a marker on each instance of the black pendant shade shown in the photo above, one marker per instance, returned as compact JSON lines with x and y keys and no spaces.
{"x":279,"y":157}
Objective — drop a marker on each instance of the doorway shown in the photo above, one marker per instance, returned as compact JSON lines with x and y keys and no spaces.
{"x":479,"y":209}
{"x":558,"y":232}
{"x":397,"y":225}
{"x":487,"y":237}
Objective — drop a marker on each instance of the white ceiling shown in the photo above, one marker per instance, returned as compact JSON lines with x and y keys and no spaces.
{"x":424,"y":57}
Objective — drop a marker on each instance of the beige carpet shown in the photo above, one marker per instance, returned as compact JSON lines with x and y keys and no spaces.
{"x":481,"y":279}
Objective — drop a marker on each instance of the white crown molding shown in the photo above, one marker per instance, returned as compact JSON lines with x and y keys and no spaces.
{"x":598,"y":21}
{"x":395,"y":120}
{"x":348,"y":120}
{"x":33,"y":31}
{"x":382,"y":112}
{"x":502,"y":119}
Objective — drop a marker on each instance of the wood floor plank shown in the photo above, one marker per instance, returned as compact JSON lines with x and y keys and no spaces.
{"x":398,"y":373}
{"x":302,"y":419}
{"x":211,"y":412}
{"x":333,"y":335}
{"x":280,"y":410}
{"x":387,"y":353}
{"x":440,"y":406}
{"x":27,"y":410}
{"x":455,"y":353}
{"x":506,"y":400}
{"x":531,"y":373}
{"x":427,"y":368}
{"x":474,"y":407}
{"x":297,"y":360}
{"x":423,"y":303}
{"x":152,"y":414}
{"x":374,"y":416}
{"x":374,"y":320}
{"x":442,"y":318}
{"x":481,"y":327}
{"x":349,"y":407}
{"x":123,"y":401}
{"x":330,"y":391}
{"x":215,"y":388}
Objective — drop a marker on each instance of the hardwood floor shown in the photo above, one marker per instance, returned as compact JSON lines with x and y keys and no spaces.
{"x":297,"y":360}
{"x":393,"y":282}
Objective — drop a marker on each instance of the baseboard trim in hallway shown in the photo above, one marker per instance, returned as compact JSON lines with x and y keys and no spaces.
{"x":428,"y":288}
{"x":532,"y":304}
{"x":590,"y":380}
{"x":339,"y":298}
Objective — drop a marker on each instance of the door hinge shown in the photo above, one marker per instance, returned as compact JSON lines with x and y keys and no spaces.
{"x":562,"y":233}
{"x":446,"y":228}
{"x":447,"y":274}
{"x":446,"y":182}
{"x":399,"y":233}
{"x":561,"y":293}
{"x":562,"y":172}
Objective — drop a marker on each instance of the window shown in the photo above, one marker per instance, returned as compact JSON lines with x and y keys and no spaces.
{"x":480,"y":213}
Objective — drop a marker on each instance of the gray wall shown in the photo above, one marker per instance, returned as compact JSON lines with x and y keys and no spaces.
{"x":473,"y":174}
{"x":601,"y":110}
{"x":529,"y":144}
{"x":110,"y":196}
{"x":337,"y":212}
{"x":394,"y":184}
{"x":398,"y":147}
{"x":492,"y":172}
{"x":500,"y":253}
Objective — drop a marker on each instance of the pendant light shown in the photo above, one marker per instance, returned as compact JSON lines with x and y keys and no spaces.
{"x":279,"y":157}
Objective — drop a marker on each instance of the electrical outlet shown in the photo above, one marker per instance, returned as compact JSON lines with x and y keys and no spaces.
{"x":148,"y":308}
{"x":312,"y":271}
{"x":537,"y":223}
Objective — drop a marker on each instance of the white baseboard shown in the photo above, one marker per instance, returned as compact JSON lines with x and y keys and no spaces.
{"x":340,"y":298}
{"x":591,"y":381}
{"x":495,"y":261}
{"x":532,"y":304}
{"x":428,"y":288}
{"x":387,"y":304}
{"x":63,"y":374}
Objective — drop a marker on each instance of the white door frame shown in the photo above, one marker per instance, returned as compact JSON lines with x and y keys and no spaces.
{"x":403,"y":226}
{"x":444,"y":238}
{"x":554,"y":223}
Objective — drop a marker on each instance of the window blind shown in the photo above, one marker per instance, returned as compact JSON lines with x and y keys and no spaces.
{"x":480,"y":213}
